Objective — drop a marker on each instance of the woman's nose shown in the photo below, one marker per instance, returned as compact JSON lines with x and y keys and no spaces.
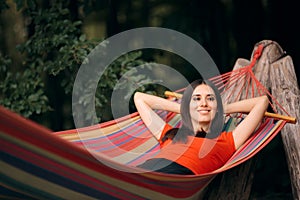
{"x":203,"y":102}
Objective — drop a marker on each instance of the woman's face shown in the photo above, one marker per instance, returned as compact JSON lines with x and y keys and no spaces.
{"x":203,"y":107}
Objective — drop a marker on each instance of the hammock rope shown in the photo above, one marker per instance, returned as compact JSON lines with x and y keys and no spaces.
{"x":97,"y":162}
{"x":243,"y":80}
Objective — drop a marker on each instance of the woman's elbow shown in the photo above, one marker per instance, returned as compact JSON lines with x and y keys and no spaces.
{"x":137,"y":95}
{"x":265,"y":101}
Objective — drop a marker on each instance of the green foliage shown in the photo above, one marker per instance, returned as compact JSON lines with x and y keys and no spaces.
{"x":21,"y":92}
{"x":57,"y":47}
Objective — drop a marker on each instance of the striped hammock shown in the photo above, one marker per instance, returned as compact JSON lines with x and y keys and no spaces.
{"x":98,"y":162}
{"x":39,"y":164}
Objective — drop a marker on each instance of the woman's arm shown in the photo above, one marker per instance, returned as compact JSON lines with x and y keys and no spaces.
{"x":256,"y":107}
{"x":146,"y":104}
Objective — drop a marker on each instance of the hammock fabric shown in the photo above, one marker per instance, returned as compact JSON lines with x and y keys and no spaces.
{"x":37,"y":164}
{"x":98,"y":162}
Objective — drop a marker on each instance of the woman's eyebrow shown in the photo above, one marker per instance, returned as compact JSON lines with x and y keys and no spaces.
{"x":203,"y":94}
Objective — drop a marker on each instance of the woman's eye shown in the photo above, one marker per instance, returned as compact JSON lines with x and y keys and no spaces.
{"x":196,"y":98}
{"x":211,"y":98}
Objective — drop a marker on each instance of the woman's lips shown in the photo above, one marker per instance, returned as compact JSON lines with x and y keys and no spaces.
{"x":203,"y":111}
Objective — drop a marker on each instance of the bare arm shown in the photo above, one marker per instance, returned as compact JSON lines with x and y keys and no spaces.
{"x":146,"y":104}
{"x":256,"y":108}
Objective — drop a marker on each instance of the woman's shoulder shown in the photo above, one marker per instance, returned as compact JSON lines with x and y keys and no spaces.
{"x":227,"y":137}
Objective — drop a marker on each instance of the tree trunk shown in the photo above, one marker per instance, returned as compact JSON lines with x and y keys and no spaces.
{"x":11,"y":36}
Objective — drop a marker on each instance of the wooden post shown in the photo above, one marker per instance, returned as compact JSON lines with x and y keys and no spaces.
{"x":286,"y":90}
{"x":277,"y":74}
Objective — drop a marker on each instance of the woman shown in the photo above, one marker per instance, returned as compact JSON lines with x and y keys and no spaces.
{"x":199,"y":146}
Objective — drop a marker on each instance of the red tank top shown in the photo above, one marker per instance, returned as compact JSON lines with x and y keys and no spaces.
{"x":200,"y":155}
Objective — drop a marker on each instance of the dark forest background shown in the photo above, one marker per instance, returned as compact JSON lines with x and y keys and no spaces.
{"x":44,"y":42}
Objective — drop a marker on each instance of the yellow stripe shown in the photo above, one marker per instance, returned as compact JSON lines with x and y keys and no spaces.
{"x":128,"y":156}
{"x":175,"y":119}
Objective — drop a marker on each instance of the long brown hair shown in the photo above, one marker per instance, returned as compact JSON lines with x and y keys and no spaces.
{"x":181,"y":134}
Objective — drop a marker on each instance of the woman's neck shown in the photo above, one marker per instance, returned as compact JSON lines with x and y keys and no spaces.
{"x":203,"y":127}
